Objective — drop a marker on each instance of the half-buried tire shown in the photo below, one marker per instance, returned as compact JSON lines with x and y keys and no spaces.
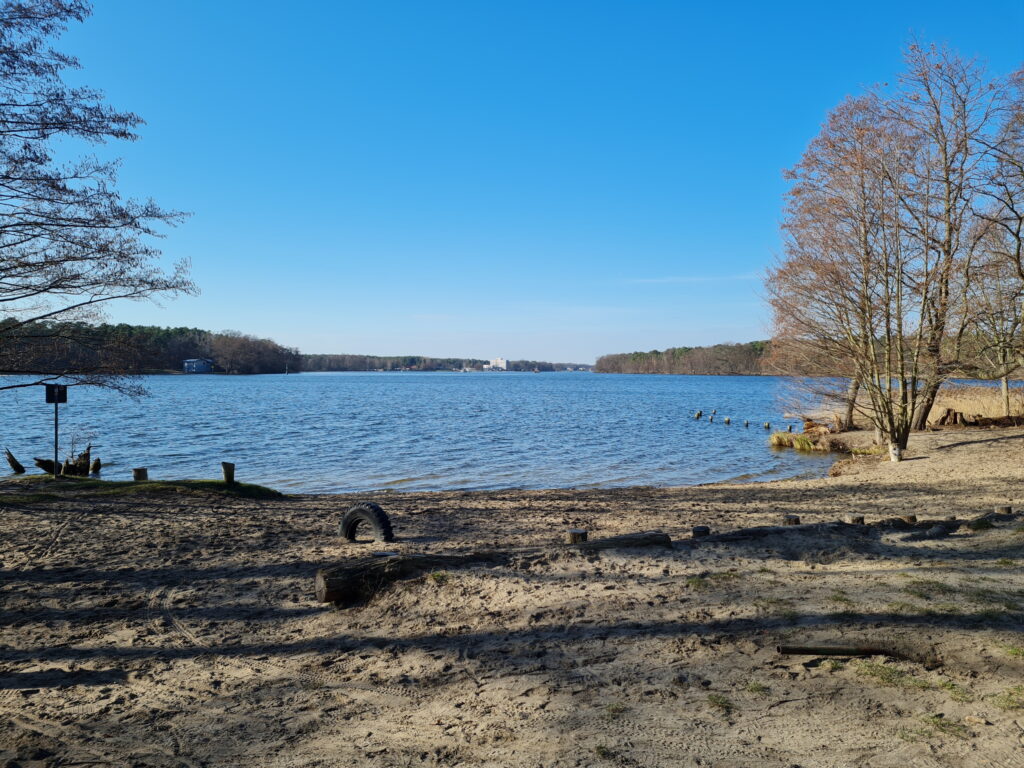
{"x":366,"y":515}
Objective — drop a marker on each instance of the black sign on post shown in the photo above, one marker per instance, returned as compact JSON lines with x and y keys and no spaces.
{"x":56,"y":393}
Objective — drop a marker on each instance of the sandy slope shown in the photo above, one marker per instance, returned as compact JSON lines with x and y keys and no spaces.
{"x":182,"y":631}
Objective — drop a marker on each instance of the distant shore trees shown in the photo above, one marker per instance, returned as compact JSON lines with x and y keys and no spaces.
{"x":69,"y":242}
{"x":902,"y":261}
{"x":741,"y":359}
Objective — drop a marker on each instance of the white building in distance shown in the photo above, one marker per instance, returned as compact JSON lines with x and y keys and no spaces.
{"x":497,"y":364}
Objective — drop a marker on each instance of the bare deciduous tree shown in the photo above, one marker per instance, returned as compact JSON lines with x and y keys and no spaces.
{"x":69,"y":242}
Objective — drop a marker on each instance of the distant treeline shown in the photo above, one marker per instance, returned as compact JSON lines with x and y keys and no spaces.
{"x":122,"y":348}
{"x":720,"y":359}
{"x":420,"y":363}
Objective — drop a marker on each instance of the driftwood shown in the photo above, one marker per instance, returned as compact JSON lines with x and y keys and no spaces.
{"x":929,"y":659}
{"x":765,"y":531}
{"x":47,"y":465}
{"x":16,"y":466}
{"x":358,"y":580}
{"x":79,"y":465}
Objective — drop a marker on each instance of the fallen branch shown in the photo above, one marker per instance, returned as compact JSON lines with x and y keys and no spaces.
{"x":357,"y":581}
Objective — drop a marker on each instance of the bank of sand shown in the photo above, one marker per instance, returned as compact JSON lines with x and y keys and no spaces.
{"x":181,"y":630}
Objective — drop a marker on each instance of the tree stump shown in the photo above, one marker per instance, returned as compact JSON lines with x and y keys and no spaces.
{"x":576,"y":536}
{"x":16,"y":466}
{"x":229,"y":472}
{"x":140,"y":474}
{"x":791,"y":519}
{"x":700,"y":531}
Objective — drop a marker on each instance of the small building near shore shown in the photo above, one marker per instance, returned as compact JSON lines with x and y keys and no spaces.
{"x":198,"y":365}
{"x":497,"y":364}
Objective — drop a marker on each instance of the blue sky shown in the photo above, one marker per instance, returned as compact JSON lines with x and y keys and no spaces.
{"x":544,"y":180}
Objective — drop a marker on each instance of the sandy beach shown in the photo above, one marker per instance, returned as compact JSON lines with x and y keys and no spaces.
{"x":181,"y":629}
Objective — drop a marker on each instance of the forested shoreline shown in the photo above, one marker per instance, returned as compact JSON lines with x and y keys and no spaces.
{"x":85,"y":350}
{"x":719,"y":359}
{"x":326,"y":363}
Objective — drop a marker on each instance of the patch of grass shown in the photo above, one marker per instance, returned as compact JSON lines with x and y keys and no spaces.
{"x":871,"y":450}
{"x":891,"y":676}
{"x":926,"y":589}
{"x":698,"y":582}
{"x":956,"y":692}
{"x":1016,"y":651}
{"x":839,"y":596}
{"x":614,"y":710}
{"x":720,"y":703}
{"x":803,"y":443}
{"x":904,"y":608}
{"x":913,"y":735}
{"x":1005,"y":562}
{"x":758,"y":689}
{"x":778,"y":606}
{"x":440,"y":578}
{"x":948,"y":727}
{"x":77,"y":487}
{"x":1010,"y":699}
{"x":781,"y":440}
{"x":833,"y":665}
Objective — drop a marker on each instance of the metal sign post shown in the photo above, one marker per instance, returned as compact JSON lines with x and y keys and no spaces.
{"x":56,"y":394}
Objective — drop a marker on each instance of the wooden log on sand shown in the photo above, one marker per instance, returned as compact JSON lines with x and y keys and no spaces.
{"x":16,"y":466}
{"x":358,"y":580}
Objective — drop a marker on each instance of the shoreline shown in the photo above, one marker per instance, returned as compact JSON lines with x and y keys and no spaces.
{"x":179,"y":628}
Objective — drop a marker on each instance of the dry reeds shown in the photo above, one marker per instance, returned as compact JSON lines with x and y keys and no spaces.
{"x":975,"y":400}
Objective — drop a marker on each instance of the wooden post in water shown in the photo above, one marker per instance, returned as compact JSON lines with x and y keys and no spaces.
{"x":728,"y":420}
{"x":140,"y":474}
{"x":576,"y":536}
{"x":767,"y":425}
{"x":229,"y":472}
{"x":746,"y":422}
{"x":789,"y":428}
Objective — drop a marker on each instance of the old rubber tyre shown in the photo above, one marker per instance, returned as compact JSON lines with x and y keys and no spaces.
{"x":366,"y":515}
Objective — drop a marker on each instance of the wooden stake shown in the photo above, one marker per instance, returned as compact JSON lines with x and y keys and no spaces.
{"x":140,"y":474}
{"x":229,"y":472}
{"x":576,"y":536}
{"x":791,"y":519}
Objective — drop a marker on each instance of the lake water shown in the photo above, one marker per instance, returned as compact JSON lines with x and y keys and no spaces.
{"x":339,"y":432}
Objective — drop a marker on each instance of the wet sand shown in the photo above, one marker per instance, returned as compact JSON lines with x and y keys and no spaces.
{"x":181,"y":630}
